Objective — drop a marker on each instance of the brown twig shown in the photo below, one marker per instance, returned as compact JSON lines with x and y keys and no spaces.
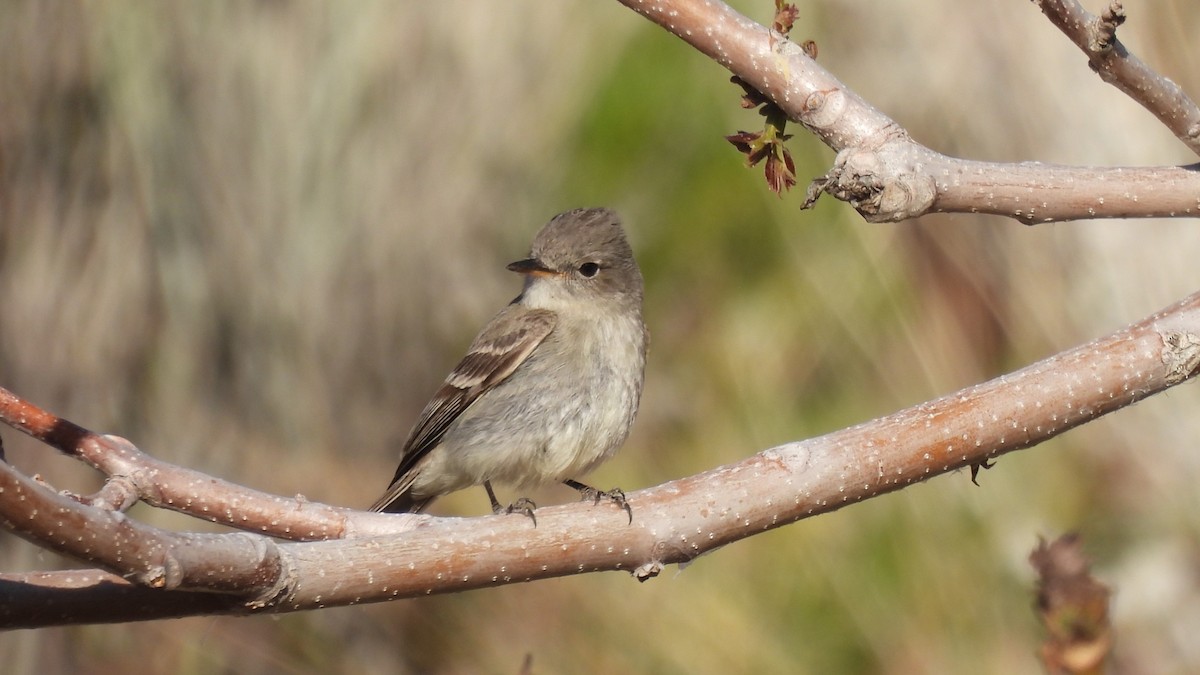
{"x":134,"y":475}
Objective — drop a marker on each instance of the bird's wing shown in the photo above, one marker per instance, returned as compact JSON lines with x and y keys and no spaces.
{"x":499,"y":349}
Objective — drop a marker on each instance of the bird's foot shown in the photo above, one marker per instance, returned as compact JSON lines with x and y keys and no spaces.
{"x":615,"y":495}
{"x":523,"y":505}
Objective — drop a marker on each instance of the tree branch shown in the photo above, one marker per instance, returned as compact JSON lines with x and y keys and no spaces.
{"x":673,"y":523}
{"x":40,"y":599}
{"x":134,"y":475}
{"x":1097,"y":37}
{"x":887,"y":176}
{"x":340,"y":557}
{"x":155,"y":558}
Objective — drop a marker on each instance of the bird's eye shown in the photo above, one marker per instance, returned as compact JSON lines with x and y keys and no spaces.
{"x":589,"y":269}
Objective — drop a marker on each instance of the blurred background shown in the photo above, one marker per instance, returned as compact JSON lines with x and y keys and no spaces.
{"x":253,"y":237}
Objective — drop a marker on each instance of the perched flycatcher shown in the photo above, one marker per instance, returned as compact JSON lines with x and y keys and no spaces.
{"x":549,"y":388}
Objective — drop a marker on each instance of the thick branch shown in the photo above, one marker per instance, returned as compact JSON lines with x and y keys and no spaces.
{"x":680,"y":520}
{"x":882,"y":171}
{"x":1033,"y":192}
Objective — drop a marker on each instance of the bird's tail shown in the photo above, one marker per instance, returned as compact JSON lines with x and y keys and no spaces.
{"x":399,"y":499}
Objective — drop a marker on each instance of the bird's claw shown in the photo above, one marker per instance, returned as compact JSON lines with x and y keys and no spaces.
{"x":524,"y":505}
{"x":615,"y":495}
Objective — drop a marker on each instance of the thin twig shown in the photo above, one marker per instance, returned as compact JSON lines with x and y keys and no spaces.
{"x":1097,"y":37}
{"x":135,"y":475}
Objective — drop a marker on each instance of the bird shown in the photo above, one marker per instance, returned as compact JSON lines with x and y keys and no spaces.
{"x":550,"y":386}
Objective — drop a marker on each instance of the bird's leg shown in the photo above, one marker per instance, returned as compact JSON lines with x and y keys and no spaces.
{"x":496,"y":508}
{"x":523,"y":505}
{"x":616,"y":495}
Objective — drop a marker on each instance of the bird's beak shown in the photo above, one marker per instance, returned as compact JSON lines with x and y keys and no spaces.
{"x":531,"y":267}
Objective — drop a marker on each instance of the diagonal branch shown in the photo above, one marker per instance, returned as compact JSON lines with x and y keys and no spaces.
{"x":886,"y":175}
{"x":237,"y":563}
{"x":673,"y":522}
{"x":1097,"y":37}
{"x":133,"y":475}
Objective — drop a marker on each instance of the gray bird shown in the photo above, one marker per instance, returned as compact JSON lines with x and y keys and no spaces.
{"x":549,"y":388}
